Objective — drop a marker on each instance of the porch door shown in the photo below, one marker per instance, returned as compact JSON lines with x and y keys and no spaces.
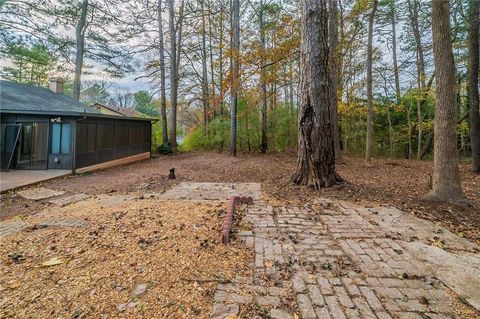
{"x":10,"y":134}
{"x":32,"y":148}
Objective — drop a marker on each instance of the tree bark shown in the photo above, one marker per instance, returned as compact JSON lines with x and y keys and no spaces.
{"x":369,"y":144}
{"x":394,"y":51}
{"x":446,"y":175}
{"x":473,"y":66}
{"x":80,"y":42}
{"x":173,"y":74}
{"x":204,"y":72}
{"x":235,"y":76}
{"x":316,"y":149}
{"x":220,"y":61}
{"x":333,"y":39}
{"x":174,"y":63}
{"x":389,"y":118}
{"x":163,"y":95}
{"x":263,"y":84}
{"x":210,"y":47}
{"x":413,"y":13}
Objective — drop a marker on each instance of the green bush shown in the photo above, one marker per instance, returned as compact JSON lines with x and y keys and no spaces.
{"x":281,"y":128}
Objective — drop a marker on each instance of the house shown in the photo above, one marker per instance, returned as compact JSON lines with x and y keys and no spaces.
{"x":44,"y":129}
{"x":115,"y":110}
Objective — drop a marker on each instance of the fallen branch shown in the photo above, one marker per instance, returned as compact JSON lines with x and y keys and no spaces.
{"x":220,"y":280}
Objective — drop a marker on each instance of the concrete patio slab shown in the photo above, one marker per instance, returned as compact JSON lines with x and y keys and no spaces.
{"x":19,"y":178}
{"x":211,"y":191}
{"x":39,"y":193}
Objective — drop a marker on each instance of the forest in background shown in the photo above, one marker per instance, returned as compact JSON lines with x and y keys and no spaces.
{"x":201,"y":56}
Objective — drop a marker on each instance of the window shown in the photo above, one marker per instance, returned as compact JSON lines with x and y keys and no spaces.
{"x":61,"y":138}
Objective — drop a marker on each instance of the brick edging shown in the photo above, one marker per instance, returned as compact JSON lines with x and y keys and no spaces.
{"x":227,"y":222}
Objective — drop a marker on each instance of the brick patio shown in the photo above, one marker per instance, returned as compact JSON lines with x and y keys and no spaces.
{"x":340,"y":263}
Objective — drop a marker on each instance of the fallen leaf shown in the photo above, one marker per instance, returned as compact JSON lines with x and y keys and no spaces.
{"x":52,"y":262}
{"x":14,"y":285}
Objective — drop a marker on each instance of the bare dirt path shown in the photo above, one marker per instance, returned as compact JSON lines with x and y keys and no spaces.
{"x":400,"y":183}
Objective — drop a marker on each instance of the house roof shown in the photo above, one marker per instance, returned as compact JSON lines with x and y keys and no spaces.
{"x":24,"y":98}
{"x":120,"y":110}
{"x":28,"y":99}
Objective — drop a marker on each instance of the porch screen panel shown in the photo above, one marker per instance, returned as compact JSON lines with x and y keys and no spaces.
{"x":106,"y":142}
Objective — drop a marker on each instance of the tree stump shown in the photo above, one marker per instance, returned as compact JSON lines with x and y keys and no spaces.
{"x":171,"y":175}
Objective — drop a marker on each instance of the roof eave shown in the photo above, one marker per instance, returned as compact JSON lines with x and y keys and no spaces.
{"x":78,"y":114}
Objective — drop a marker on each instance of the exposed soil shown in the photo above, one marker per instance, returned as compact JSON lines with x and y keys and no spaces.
{"x":135,"y":258}
{"x":400,"y":183}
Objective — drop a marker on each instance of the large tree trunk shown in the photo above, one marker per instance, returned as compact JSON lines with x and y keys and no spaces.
{"x":446,"y":175}
{"x":333,"y":39}
{"x":163,"y":95}
{"x":263,"y":79}
{"x":173,"y":74}
{"x":80,"y":42}
{"x":473,"y":83}
{"x":316,"y":149}
{"x":235,"y":74}
{"x":369,"y":144}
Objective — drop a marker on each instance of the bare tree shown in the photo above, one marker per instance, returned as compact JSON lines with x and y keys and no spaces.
{"x":333,"y":39}
{"x":235,"y":76}
{"x":175,"y":30}
{"x":220,"y":60}
{"x":95,"y":36}
{"x":316,"y":150}
{"x":369,"y":144}
{"x":163,"y":95}
{"x":80,"y":42}
{"x":205,"y":94}
{"x":473,"y":83}
{"x":446,"y":175}
{"x":263,"y":84}
{"x":413,"y":8}
{"x":393,"y":20}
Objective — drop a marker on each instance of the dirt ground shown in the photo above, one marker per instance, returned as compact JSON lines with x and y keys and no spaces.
{"x":134,"y":258}
{"x":400,"y":183}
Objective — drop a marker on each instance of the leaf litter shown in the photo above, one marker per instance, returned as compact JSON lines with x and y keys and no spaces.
{"x":131,"y":261}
